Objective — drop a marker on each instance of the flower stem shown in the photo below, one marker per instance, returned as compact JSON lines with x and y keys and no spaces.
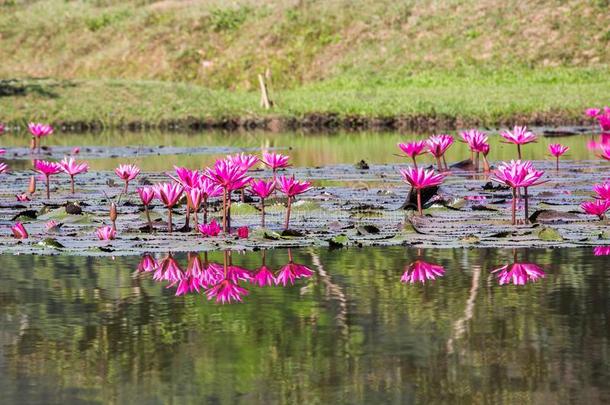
{"x":72,"y":184}
{"x":288,"y":213}
{"x":150,"y":227}
{"x":438,"y":164}
{"x":526,"y":210}
{"x":262,"y":212}
{"x":126,"y":186}
{"x":169,"y":219}
{"x":557,"y":163}
{"x":48,"y":187}
{"x":224,"y":211}
{"x":419,"y":207}
{"x":205,"y":210}
{"x":414,"y":162}
{"x":514,"y":207}
{"x":519,"y":151}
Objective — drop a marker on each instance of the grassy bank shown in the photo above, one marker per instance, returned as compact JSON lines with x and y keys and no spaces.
{"x":553,"y":96}
{"x":486,"y":62}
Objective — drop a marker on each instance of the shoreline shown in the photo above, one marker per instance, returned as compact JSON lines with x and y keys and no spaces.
{"x":324,"y":122}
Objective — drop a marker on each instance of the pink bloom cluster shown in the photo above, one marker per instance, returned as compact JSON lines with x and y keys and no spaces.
{"x":601,"y":204}
{"x":421,"y":271}
{"x":219,"y":282}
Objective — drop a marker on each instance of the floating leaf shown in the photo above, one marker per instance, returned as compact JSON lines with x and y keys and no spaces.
{"x":51,"y":242}
{"x":338,"y":241}
{"x":549,"y":234}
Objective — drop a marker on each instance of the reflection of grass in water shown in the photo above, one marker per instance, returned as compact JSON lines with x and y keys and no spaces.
{"x":306,"y":149}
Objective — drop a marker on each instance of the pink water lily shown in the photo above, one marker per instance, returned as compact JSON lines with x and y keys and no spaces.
{"x":1,"y":128}
{"x":263,"y":277}
{"x":244,"y":161}
{"x":75,"y":150}
{"x":477,"y":143}
{"x":3,"y":168}
{"x":419,"y":179}
{"x":275,"y":161}
{"x":47,"y":169}
{"x":193,"y":198}
{"x":52,"y":226}
{"x":519,"y":136}
{"x":19,"y":231}
{"x":557,"y":150}
{"x":413,"y":149}
{"x":263,"y":190}
{"x":602,"y":190}
{"x":601,"y":251}
{"x":602,"y":115}
{"x":230,"y":176}
{"x":188,"y":178}
{"x":212,"y":229}
{"x":168,"y":269}
{"x":71,"y":167}
{"x":147,"y":264}
{"x":23,"y":197}
{"x":208,"y":189}
{"x":517,"y":174}
{"x":106,"y":233}
{"x":243,"y":232}
{"x":39,"y":131}
{"x":437,"y":146}
{"x":127,"y":173}
{"x":420,"y":271}
{"x":169,"y":194}
{"x":596,"y":207}
{"x":292,"y":188}
{"x":226,"y":292}
{"x":518,"y":273}
{"x":146,"y":196}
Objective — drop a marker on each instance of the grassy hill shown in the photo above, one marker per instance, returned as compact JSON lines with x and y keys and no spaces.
{"x":153,"y":60}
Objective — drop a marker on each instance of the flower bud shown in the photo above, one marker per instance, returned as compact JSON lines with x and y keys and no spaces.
{"x":32,"y":186}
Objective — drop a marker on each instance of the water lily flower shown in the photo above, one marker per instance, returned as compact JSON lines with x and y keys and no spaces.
{"x":39,"y":131}
{"x":2,"y":151}
{"x":1,"y":128}
{"x":518,"y":273}
{"x":437,"y":146}
{"x":226,"y":291}
{"x":106,"y":233}
{"x":212,"y":229}
{"x":413,"y":149}
{"x":243,"y":232}
{"x":193,"y":200}
{"x":3,"y":168}
{"x":519,"y":136}
{"x":169,"y":194}
{"x":419,"y":179}
{"x":292,"y":188}
{"x":52,"y":226}
{"x":262,"y":189}
{"x":602,"y":190}
{"x":601,"y":251}
{"x":187,"y":177}
{"x":557,"y":150}
{"x":517,"y":174}
{"x":291,"y":272}
{"x":147,"y":264}
{"x":420,"y":271}
{"x":75,"y":150}
{"x":168,"y":269}
{"x":477,"y":143}
{"x":596,"y":207}
{"x":275,"y":161}
{"x":602,"y":116}
{"x":244,"y":161}
{"x":47,"y":169}
{"x":72,"y":168}
{"x":19,"y":231}
{"x":230,"y":177}
{"x":263,"y":277}
{"x":146,"y":196}
{"x":127,"y":173}
{"x":605,"y":152}
{"x":22,"y":197}
{"x":208,"y":189}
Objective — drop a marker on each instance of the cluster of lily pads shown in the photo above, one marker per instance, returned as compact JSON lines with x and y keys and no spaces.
{"x":231,"y":176}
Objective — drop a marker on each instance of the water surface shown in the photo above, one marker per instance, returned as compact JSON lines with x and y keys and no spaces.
{"x":94,"y":330}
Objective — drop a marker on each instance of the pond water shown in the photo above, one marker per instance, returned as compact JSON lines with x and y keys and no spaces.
{"x":306,"y":149}
{"x":95,"y":330}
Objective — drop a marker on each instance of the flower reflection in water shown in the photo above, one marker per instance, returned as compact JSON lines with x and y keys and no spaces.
{"x":420,"y":271}
{"x":601,"y":251}
{"x":518,"y":273}
{"x":219,"y":282}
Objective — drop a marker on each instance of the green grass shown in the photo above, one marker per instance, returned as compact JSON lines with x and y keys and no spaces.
{"x":139,"y":60}
{"x":489,"y":98}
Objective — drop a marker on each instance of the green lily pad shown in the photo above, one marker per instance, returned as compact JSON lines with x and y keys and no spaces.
{"x":338,"y":241}
{"x":51,"y":242}
{"x":549,"y":234}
